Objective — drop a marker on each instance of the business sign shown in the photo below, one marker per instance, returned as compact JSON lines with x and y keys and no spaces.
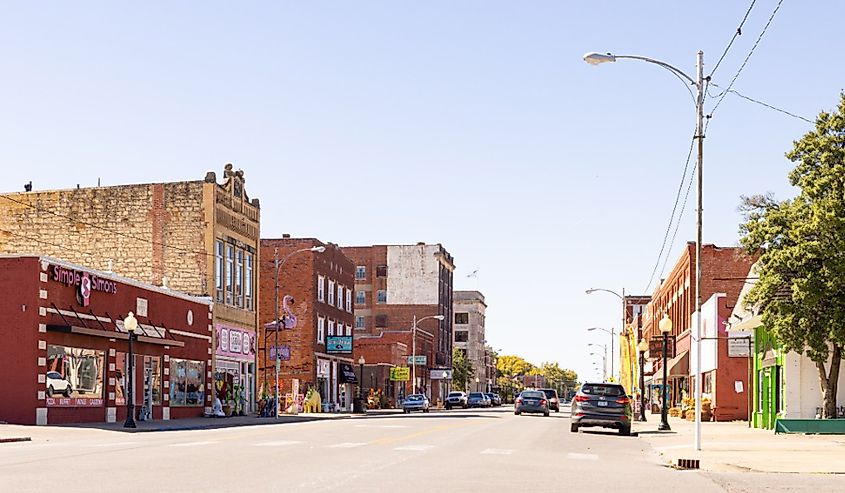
{"x":400,"y":374}
{"x":655,"y":347}
{"x":235,"y":343}
{"x":339,"y":344}
{"x":323,"y":368}
{"x":83,"y":282}
{"x":283,"y":351}
{"x":440,"y":374}
{"x":421,"y":360}
{"x":738,"y":344}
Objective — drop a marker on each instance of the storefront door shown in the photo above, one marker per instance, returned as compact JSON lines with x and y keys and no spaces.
{"x":766,"y":398}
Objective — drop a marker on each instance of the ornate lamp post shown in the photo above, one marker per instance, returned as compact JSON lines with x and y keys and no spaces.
{"x":665,"y":327}
{"x":130,"y":323}
{"x":642,"y":347}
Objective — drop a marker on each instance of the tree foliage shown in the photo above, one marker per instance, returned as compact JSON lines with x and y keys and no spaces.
{"x":511,"y":366}
{"x":801,"y":248}
{"x":462,"y":370}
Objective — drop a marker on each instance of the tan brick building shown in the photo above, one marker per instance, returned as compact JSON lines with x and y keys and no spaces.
{"x":317,"y":349}
{"x":198,"y":237}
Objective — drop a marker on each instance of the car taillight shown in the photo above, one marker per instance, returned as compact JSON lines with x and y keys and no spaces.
{"x":581,"y":398}
{"x":623,"y":400}
{"x":543,"y":402}
{"x":519,"y":400}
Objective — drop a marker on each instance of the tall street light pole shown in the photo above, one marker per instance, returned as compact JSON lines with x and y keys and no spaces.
{"x":612,"y":365}
{"x":414,"y":348}
{"x":624,"y":317}
{"x":278,"y":265}
{"x":130,"y":323}
{"x":699,"y":83}
{"x":604,"y":358}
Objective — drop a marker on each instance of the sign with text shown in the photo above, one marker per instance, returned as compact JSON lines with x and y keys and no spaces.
{"x":655,"y":347}
{"x":400,"y":374}
{"x":738,"y":346}
{"x":421,"y":360}
{"x":283,"y":351}
{"x":339,"y":344}
{"x":440,"y":374}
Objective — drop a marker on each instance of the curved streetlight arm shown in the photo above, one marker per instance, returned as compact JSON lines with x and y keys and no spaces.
{"x":599,"y":328}
{"x":593,"y":290}
{"x":665,"y":65}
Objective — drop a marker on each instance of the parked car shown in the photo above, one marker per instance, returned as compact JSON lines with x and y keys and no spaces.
{"x":456,"y":399}
{"x":495,"y":400}
{"x":602,"y":404}
{"x":477,"y":399}
{"x":531,"y":401}
{"x":415,"y":402}
{"x":57,"y":383}
{"x":551,"y":396}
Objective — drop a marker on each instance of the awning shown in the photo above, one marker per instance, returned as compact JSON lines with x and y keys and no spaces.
{"x":746,"y":325}
{"x":347,"y":374}
{"x":679,"y":365}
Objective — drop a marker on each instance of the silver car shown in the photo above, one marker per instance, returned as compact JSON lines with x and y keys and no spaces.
{"x":415,"y":402}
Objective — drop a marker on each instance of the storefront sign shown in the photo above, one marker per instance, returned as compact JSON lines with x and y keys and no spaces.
{"x":441,"y":374}
{"x":738,"y":346}
{"x":284,"y":352}
{"x":83,"y":281}
{"x":421,"y":360}
{"x":73,"y":402}
{"x":339,"y":344}
{"x":235,"y":343}
{"x":323,"y":368}
{"x":400,"y":374}
{"x":655,"y":347}
{"x":347,"y":374}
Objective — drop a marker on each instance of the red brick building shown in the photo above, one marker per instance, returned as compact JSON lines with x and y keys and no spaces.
{"x":723,"y":270}
{"x":65,"y":354}
{"x":317,"y":348}
{"x":394,"y":284}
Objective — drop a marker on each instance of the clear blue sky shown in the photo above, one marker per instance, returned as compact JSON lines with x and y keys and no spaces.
{"x":474,"y":124}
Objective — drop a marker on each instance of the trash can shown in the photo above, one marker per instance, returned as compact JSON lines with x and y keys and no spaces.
{"x":358,"y":406}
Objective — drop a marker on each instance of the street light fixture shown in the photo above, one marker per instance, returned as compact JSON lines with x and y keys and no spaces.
{"x":414,"y":347}
{"x":624,"y":317}
{"x":278,"y":265}
{"x":130,"y":323}
{"x":699,"y":83}
{"x":665,"y":326}
{"x":477,"y":381}
{"x":612,"y":355}
{"x":642,"y":347}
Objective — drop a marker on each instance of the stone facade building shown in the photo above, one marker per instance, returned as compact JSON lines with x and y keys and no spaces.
{"x":198,"y":237}
{"x":394,"y":284}
{"x":469,"y":335}
{"x":315,"y":300}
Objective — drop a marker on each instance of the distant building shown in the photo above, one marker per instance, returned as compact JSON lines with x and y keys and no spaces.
{"x":316,"y":349}
{"x":198,"y":237}
{"x":394,"y":284}
{"x":469,"y":336}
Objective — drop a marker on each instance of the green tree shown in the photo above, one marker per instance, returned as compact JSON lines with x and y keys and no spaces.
{"x":801,"y":248}
{"x":462,"y":370}
{"x":511,"y":366}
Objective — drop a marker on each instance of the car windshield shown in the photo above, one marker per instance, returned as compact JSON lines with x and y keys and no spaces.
{"x":415,"y":397}
{"x":533,"y":394}
{"x":476,"y":395}
{"x":455,"y":394}
{"x":608,"y":390}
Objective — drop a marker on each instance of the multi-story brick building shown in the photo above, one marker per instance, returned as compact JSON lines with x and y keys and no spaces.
{"x":198,"y":237}
{"x":315,"y":299}
{"x":394,"y":284}
{"x":723,"y":270}
{"x":468,"y":332}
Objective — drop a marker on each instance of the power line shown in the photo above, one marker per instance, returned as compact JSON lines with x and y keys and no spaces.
{"x":37,"y":240}
{"x":737,"y":33}
{"x":672,"y":216}
{"x":748,"y":57}
{"x":767,"y":105}
{"x":680,"y":215}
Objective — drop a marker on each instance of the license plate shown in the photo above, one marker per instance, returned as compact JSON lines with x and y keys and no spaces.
{"x":602,"y":404}
{"x":531,"y":402}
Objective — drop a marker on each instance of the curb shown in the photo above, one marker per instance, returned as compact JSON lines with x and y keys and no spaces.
{"x":16,"y":439}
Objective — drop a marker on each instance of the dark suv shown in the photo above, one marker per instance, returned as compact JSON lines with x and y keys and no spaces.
{"x":602,"y":404}
{"x":551,"y":396}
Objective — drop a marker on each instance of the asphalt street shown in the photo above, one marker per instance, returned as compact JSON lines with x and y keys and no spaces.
{"x":468,"y":450}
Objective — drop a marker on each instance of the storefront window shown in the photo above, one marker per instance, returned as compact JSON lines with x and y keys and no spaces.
{"x":151,"y":366}
{"x":186,"y":382}
{"x":74,"y":376}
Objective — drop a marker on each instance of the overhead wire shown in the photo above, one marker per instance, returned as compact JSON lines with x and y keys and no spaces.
{"x":737,"y":33}
{"x":767,"y":105}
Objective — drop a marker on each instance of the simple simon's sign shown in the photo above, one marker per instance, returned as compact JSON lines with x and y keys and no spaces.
{"x":83,"y":281}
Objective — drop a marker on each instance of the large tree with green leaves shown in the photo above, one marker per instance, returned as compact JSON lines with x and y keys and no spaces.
{"x":801,"y":248}
{"x":462,"y":370}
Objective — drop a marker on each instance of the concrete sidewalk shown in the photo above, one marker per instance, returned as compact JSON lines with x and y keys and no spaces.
{"x":732,"y":446}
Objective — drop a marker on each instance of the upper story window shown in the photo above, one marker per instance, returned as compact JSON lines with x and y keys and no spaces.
{"x":461,"y":335}
{"x":331,"y":292}
{"x":360,"y":297}
{"x":239,"y":275}
{"x":331,"y":327}
{"x":462,"y":318}
{"x":230,"y":274}
{"x":248,"y":280}
{"x":349,"y":300}
{"x":381,"y":321}
{"x":382,"y":296}
{"x":321,"y":288}
{"x":340,"y":296}
{"x":360,"y":272}
{"x":321,"y":330}
{"x":218,"y":270}
{"x":381,"y":271}
{"x":359,"y":322}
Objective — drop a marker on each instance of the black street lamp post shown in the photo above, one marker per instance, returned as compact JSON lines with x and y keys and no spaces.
{"x":665,"y":327}
{"x":130,"y":323}
{"x":642,"y":347}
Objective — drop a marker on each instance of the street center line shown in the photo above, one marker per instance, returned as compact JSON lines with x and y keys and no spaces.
{"x":575,"y":456}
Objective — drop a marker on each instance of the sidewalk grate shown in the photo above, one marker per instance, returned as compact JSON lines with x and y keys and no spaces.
{"x":688,"y":463}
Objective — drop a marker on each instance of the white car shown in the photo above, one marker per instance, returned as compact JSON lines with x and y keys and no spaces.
{"x":56,"y":383}
{"x":456,"y":399}
{"x":415,"y":402}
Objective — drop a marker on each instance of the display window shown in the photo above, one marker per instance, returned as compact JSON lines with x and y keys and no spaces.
{"x":74,"y":377}
{"x":187,"y":387}
{"x":151,"y":366}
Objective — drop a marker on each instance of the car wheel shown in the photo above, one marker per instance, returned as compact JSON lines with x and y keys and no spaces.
{"x":50,"y":391}
{"x":557,"y":409}
{"x":67,"y":391}
{"x":573,"y":428}
{"x":625,"y":431}
{"x":546,"y":414}
{"x":448,"y":408}
{"x":517,"y":413}
{"x":425,"y":410}
{"x":466,"y":406}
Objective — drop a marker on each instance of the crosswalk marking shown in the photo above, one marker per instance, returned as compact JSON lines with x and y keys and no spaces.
{"x":277,"y":443}
{"x":415,"y":448}
{"x":347,"y":445}
{"x":575,"y":456}
{"x":193,"y":444}
{"x":497,"y":451}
